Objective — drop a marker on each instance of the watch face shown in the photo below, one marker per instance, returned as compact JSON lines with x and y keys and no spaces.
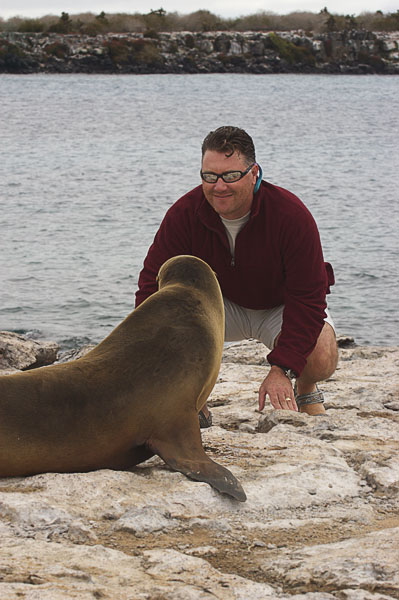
{"x":289,"y":373}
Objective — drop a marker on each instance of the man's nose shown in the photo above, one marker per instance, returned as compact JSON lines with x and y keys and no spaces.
{"x":220,"y":184}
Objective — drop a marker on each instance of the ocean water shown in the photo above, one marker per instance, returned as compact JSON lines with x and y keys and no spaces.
{"x":89,"y":165}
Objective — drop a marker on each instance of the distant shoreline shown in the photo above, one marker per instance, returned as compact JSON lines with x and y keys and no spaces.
{"x":345,"y":52}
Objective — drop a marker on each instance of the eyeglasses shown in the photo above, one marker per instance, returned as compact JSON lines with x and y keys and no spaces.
{"x":227,"y":176}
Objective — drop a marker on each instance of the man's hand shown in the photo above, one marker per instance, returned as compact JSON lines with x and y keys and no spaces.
{"x":279,"y":389}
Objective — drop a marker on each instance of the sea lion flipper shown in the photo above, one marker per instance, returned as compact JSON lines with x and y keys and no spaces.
{"x":216,"y":475}
{"x":184,"y":453}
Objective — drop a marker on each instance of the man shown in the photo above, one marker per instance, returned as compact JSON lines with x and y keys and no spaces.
{"x":264,"y":246}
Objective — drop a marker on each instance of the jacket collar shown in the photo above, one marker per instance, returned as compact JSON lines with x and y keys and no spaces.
{"x":211,"y":219}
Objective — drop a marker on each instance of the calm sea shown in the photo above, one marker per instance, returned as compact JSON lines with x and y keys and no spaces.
{"x":89,"y":165}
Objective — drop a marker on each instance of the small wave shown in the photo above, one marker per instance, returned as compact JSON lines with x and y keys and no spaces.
{"x":33,"y":334}
{"x":10,"y":310}
{"x":364,"y":275}
{"x":75,"y":342}
{"x":21,"y":279}
{"x":75,"y":305}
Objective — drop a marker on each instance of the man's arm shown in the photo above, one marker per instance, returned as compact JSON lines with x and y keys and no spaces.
{"x":306,"y":285}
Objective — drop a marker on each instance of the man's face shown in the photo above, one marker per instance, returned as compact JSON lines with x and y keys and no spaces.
{"x":229,"y":200}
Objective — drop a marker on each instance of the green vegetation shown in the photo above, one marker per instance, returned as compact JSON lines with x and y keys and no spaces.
{"x":64,"y":25}
{"x":57,"y":49}
{"x":31,"y":25}
{"x":125,"y":51}
{"x":201,"y":20}
{"x":291,"y":52}
{"x":10,"y":51}
{"x":12,"y":58}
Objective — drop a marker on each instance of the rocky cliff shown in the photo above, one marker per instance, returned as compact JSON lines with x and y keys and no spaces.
{"x":321,"y":521}
{"x":211,"y":52}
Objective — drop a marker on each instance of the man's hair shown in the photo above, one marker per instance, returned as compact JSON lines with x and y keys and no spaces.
{"x":230,"y":139}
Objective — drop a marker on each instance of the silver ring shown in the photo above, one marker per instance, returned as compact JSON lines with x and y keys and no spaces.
{"x":288,"y":399}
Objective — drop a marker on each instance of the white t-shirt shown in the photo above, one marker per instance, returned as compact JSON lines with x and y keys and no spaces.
{"x":233,"y":226}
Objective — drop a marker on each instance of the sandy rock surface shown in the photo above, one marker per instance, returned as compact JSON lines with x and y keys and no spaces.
{"x":18,"y":353}
{"x":321,"y":520}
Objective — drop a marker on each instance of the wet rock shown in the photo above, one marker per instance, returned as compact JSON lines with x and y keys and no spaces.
{"x":345,"y":341}
{"x":74,"y":354}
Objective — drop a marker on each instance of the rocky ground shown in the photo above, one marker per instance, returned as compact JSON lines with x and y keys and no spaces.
{"x":321,"y":520}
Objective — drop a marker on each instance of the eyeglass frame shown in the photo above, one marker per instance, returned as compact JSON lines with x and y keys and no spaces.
{"x":221,"y":175}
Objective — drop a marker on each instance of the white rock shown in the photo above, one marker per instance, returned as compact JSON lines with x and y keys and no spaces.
{"x":369,"y":563}
{"x":152,"y":533}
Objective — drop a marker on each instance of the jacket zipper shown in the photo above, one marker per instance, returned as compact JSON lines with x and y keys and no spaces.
{"x":224,"y":239}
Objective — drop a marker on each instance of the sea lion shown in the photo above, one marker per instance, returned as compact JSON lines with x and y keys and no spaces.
{"x":136,"y":394}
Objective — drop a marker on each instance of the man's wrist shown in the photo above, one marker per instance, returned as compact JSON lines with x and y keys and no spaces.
{"x":287,"y":371}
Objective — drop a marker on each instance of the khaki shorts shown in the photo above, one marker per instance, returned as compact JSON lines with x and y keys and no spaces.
{"x":263,"y":325}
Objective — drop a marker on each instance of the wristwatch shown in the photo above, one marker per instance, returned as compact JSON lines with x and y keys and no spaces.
{"x":288,"y":372}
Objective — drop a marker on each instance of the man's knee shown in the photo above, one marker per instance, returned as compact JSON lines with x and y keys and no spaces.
{"x":324,"y":357}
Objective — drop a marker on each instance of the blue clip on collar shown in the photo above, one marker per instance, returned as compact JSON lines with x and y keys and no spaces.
{"x":259,"y":179}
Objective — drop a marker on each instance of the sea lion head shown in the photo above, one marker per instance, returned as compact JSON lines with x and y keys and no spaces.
{"x":188,"y":270}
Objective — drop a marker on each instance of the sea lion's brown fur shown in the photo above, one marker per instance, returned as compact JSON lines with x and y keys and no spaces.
{"x":135,"y":394}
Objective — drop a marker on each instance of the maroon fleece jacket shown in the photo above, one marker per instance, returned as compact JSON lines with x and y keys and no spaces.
{"x":277,"y":260}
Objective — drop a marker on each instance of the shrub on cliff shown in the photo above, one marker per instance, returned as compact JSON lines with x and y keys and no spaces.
{"x":64,"y":25}
{"x":12,"y":58}
{"x":202,"y":20}
{"x":31,"y":26}
{"x":124,"y":52}
{"x":156,"y":20}
{"x":121,"y":23}
{"x":57,"y":49}
{"x":260,"y":21}
{"x":379,"y":21}
{"x":268,"y":21}
{"x":290,"y":52}
{"x":375,"y":61}
{"x":94,"y":26}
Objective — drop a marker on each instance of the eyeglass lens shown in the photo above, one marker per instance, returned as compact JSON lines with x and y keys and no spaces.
{"x":228,"y":176}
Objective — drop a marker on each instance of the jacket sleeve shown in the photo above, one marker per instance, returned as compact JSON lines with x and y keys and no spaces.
{"x":171,"y":239}
{"x":307,"y":280}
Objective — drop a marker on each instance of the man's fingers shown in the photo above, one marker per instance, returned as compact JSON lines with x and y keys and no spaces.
{"x":284,"y":402}
{"x":280,"y":395}
{"x":290,"y":403}
{"x":263,"y":398}
{"x":277,"y":401}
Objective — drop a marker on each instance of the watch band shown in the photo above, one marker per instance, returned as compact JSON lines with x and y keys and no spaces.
{"x":288,"y":372}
